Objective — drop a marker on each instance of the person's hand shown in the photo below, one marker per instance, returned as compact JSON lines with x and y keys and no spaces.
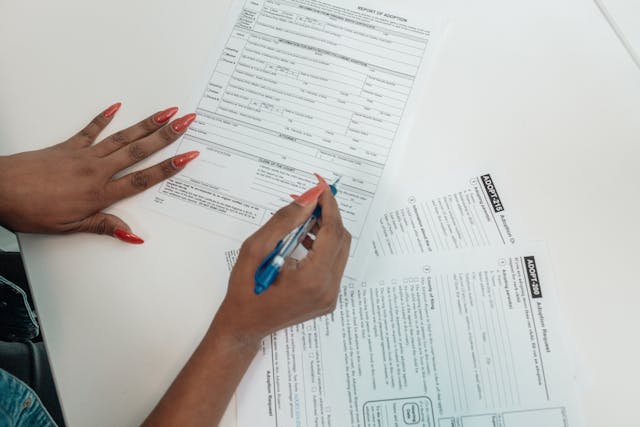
{"x":65,"y":187}
{"x":303,"y":290}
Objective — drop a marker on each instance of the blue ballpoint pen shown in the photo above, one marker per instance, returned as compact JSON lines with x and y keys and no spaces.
{"x":269,"y":268}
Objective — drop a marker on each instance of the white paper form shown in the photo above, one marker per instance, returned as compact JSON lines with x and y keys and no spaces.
{"x":300,"y":86}
{"x":624,"y":18}
{"x":472,"y":214}
{"x":472,"y":340}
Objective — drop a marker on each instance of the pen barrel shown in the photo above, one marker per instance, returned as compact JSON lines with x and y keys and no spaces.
{"x":269,"y":268}
{"x":296,"y":238}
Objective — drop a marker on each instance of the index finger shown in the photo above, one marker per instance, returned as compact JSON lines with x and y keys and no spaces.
{"x":90,"y":132}
{"x":331,"y":235}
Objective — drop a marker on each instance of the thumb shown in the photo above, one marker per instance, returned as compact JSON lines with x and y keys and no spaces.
{"x":102,"y":223}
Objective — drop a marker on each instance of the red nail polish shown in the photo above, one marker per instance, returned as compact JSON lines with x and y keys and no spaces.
{"x":310,"y":196}
{"x":183,"y":122}
{"x":182,"y":159}
{"x":109,"y":112}
{"x":164,"y":116}
{"x":321,"y":180}
{"x":127,"y":236}
{"x":313,"y":194}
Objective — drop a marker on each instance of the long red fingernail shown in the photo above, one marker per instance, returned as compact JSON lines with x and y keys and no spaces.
{"x":183,"y":122}
{"x":109,"y":112}
{"x":164,"y":116}
{"x":127,"y":236}
{"x":311,"y":195}
{"x":181,"y":160}
{"x":321,"y":180}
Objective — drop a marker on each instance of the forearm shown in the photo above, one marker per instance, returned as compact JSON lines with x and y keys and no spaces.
{"x":5,"y":183}
{"x":202,"y":390}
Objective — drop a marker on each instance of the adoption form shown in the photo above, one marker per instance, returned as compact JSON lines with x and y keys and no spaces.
{"x":299,"y":86}
{"x":473,"y":215}
{"x":424,"y":341}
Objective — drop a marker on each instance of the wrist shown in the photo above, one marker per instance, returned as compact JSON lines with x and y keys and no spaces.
{"x":226,"y":330}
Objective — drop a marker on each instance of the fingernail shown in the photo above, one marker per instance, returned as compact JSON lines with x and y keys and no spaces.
{"x":109,"y":112}
{"x":127,"y":236}
{"x":321,"y":180}
{"x":164,"y":116}
{"x":311,"y":195}
{"x":182,"y":159}
{"x":183,"y":122}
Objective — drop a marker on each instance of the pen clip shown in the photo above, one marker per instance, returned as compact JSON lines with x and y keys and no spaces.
{"x":267,"y":272}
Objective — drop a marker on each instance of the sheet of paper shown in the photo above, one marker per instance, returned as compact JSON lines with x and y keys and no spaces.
{"x":296,"y":87}
{"x":624,"y":18}
{"x":428,"y":340}
{"x":472,"y":214}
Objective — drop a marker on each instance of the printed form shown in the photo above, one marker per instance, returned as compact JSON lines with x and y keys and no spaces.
{"x":473,"y":215}
{"x":300,"y":86}
{"x":424,"y":341}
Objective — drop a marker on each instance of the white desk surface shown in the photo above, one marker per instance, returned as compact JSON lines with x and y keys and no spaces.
{"x":541,"y":92}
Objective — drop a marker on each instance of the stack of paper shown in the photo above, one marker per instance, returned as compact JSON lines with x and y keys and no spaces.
{"x":444,"y":317}
{"x":454,"y":325}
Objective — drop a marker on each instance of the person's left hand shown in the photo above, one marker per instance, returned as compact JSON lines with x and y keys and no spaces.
{"x":65,"y":187}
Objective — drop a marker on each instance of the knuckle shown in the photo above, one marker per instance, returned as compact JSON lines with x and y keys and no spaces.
{"x":97,"y":225}
{"x":167,"y":169}
{"x":118,"y":139}
{"x":149,"y":125}
{"x":84,"y":133}
{"x":249,"y":247}
{"x":97,"y":195}
{"x":313,"y":288}
{"x":140,"y":180}
{"x":101,"y":226}
{"x":327,"y":301}
{"x":167,"y":134}
{"x":338,"y":230}
{"x":332,"y":306}
{"x":136,"y":153}
{"x":98,"y":122}
{"x":283,"y":215}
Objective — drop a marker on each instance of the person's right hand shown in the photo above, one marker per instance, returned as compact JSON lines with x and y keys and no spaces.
{"x":303,"y":290}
